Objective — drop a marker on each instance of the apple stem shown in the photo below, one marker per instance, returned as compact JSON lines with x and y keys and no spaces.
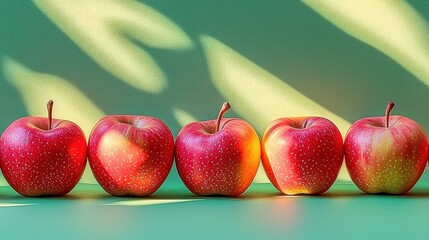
{"x":49,"y":106}
{"x":224,"y":108}
{"x":389,"y":108}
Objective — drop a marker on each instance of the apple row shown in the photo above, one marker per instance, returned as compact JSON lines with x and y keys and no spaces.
{"x":133,"y":155}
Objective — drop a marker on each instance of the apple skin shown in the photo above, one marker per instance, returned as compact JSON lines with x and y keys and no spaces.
{"x":302,"y":155}
{"x":36,"y":161}
{"x":130,"y":155}
{"x":217,"y":163}
{"x":383,"y":159}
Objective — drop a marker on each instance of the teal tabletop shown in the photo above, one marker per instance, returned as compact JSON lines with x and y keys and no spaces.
{"x":174,"y":213}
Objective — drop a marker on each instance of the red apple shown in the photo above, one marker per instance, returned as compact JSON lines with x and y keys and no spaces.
{"x":130,"y":155}
{"x":302,"y":155}
{"x":218,"y":157}
{"x":386,"y":155}
{"x":42,"y":156}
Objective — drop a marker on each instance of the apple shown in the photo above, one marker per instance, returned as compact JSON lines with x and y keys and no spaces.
{"x":386,"y":155}
{"x":130,"y":155}
{"x":218,"y":157}
{"x":42,"y":156}
{"x":302,"y":155}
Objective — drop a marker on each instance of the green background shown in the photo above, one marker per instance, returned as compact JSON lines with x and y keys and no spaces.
{"x":343,"y":73}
